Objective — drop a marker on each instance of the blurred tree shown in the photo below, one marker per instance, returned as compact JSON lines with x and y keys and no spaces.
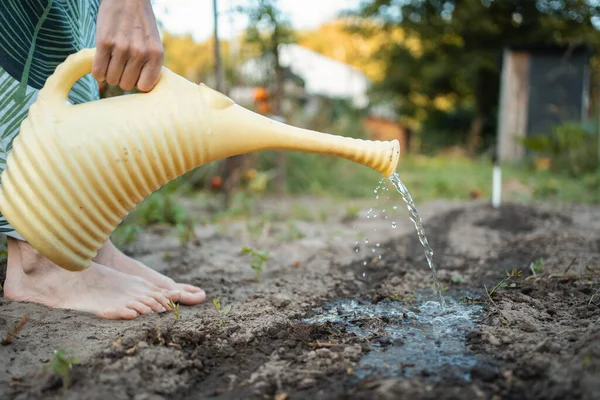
{"x":457,"y":66}
{"x":268,"y":28}
{"x":338,"y":40}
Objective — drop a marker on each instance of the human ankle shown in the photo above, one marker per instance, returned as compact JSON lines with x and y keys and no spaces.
{"x":22,"y":255}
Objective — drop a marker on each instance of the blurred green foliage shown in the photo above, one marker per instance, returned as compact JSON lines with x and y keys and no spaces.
{"x":452,"y":63}
{"x":573,"y":148}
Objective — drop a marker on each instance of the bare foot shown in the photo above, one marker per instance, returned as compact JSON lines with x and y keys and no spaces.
{"x":112,"y":257}
{"x":99,"y":290}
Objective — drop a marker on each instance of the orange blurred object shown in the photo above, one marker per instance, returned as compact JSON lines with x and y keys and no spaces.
{"x":261,"y":94}
{"x":264,"y":108}
{"x":476,"y":194}
{"x":217,"y":182}
{"x":542,"y":163}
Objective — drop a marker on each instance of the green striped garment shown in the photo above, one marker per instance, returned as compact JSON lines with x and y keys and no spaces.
{"x":36,"y":36}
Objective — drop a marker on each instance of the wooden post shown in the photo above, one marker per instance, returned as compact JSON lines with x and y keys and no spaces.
{"x":514,"y":103}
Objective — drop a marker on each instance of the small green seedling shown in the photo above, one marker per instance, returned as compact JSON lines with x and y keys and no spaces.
{"x":537,"y":267}
{"x":222,"y":310}
{"x":258,"y":260}
{"x":185,"y":231}
{"x":503,"y":283}
{"x":61,"y":365}
{"x":457,"y":278}
{"x":175,"y":308}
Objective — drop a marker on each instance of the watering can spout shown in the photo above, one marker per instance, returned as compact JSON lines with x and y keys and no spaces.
{"x":76,"y":171}
{"x":237,"y":130}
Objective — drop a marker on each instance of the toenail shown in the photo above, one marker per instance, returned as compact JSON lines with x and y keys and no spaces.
{"x":162,"y":309}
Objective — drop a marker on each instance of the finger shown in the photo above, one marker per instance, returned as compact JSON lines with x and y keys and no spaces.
{"x":101,"y":60}
{"x":115,"y":67}
{"x":151,"y":71}
{"x":131,"y":74}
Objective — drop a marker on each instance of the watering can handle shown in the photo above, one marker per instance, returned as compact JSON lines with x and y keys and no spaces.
{"x":59,"y":84}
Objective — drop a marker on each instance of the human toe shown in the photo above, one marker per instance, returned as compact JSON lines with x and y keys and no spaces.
{"x":140,"y":307}
{"x":153,"y":304}
{"x":190,"y":288}
{"x":119,"y":313}
{"x":190,"y":298}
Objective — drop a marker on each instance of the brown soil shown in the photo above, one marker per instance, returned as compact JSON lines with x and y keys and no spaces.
{"x":538,"y":339}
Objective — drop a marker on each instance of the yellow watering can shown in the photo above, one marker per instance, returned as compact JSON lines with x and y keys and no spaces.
{"x":75,"y":171}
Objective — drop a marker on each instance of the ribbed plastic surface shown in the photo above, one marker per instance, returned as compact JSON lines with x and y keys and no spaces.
{"x":76,"y":171}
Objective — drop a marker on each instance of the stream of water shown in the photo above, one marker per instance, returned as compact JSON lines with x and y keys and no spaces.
{"x":416,"y":219}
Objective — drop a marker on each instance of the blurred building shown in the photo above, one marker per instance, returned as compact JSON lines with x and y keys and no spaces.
{"x":310,"y":77}
{"x":541,"y":87}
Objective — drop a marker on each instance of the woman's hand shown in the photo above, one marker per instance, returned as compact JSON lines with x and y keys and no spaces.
{"x":129,"y":52}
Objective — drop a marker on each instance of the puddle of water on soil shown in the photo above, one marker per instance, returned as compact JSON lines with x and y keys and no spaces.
{"x":407,"y":341}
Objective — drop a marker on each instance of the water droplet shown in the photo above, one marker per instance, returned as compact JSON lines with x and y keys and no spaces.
{"x":394,"y":224}
{"x":380,"y":256}
{"x":375,"y":191}
{"x":372,"y":250}
{"x":366,"y":240}
{"x":377,"y":197}
{"x":356,"y":250}
{"x":375,"y":216}
{"x":377,"y":244}
{"x":364,"y":274}
{"x":395,"y":207}
{"x":364,"y":263}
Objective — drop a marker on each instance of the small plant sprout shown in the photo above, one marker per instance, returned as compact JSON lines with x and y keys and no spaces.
{"x":503,"y":283}
{"x":258,"y":260}
{"x":537,"y":267}
{"x":222,"y":310}
{"x":175,"y":308}
{"x":457,"y":278}
{"x":61,"y":365}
